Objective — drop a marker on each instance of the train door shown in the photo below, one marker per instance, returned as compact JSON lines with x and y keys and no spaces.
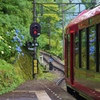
{"x":72,"y":58}
{"x":65,"y":55}
{"x":69,"y":57}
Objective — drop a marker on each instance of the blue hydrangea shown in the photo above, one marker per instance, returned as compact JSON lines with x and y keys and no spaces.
{"x":16,"y":34}
{"x":22,"y":36}
{"x":18,"y":49}
{"x":92,"y":50}
{"x":18,"y":39}
{"x":21,"y":44}
{"x":22,"y":54}
{"x":93,"y":40}
{"x":14,"y":39}
{"x":17,"y":31}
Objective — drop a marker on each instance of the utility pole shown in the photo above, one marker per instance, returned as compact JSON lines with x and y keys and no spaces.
{"x":35,"y":29}
{"x":34,"y":10}
{"x":63,"y":29}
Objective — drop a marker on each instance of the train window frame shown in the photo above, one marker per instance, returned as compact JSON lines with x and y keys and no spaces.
{"x":80,"y":48}
{"x":87,"y":46}
{"x":76,"y":49}
{"x":68,"y":56}
{"x":98,"y":47}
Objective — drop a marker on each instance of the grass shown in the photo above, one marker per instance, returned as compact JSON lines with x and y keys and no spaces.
{"x":9,"y":79}
{"x":46,"y":75}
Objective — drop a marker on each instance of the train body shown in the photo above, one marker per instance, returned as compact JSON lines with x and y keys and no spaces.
{"x":82,"y":55}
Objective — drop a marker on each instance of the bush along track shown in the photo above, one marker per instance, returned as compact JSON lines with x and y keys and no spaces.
{"x":9,"y":78}
{"x":12,"y":75}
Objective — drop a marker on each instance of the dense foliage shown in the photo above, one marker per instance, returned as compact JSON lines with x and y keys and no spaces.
{"x":9,"y":78}
{"x":93,"y":3}
{"x":15,"y":18}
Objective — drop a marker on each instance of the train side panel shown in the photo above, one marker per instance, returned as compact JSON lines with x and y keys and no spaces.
{"x":82,"y":57}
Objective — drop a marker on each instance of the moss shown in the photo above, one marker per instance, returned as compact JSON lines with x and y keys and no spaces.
{"x":25,"y":65}
{"x":9,"y":79}
{"x":12,"y":75}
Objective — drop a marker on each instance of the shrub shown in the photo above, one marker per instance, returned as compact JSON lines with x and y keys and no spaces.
{"x":9,"y":79}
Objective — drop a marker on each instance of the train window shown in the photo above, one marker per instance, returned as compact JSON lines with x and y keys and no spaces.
{"x":82,"y":49}
{"x":92,"y":48}
{"x":77,"y":50}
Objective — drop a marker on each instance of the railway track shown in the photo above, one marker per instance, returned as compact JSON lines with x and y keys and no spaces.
{"x":57,"y":63}
{"x":57,"y":66}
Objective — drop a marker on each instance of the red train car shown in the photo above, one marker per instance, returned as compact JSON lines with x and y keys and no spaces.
{"x":82,"y":55}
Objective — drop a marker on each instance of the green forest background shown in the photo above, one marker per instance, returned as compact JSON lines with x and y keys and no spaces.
{"x":15,"y":19}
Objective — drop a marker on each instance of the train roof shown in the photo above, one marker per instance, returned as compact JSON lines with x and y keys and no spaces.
{"x":86,"y":14}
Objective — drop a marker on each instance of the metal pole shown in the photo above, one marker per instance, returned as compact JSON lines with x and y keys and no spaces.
{"x":34,"y":39}
{"x":34,"y":10}
{"x":63,"y":29}
{"x":79,"y":8}
{"x":35,"y":50}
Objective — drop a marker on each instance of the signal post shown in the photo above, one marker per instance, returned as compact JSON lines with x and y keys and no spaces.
{"x":35,"y":29}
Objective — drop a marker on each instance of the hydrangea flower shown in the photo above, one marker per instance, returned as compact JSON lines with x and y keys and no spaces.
{"x":17,"y":31}
{"x":93,"y":40}
{"x":22,"y":36}
{"x":92,"y":50}
{"x":22,"y":54}
{"x":18,"y":49}
{"x":12,"y":40}
{"x":21,"y":44}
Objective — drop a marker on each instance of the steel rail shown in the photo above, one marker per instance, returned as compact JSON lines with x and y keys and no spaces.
{"x":61,"y":65}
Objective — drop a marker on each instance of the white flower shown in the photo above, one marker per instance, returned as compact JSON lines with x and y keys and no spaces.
{"x":2,"y":52}
{"x":10,"y":47}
